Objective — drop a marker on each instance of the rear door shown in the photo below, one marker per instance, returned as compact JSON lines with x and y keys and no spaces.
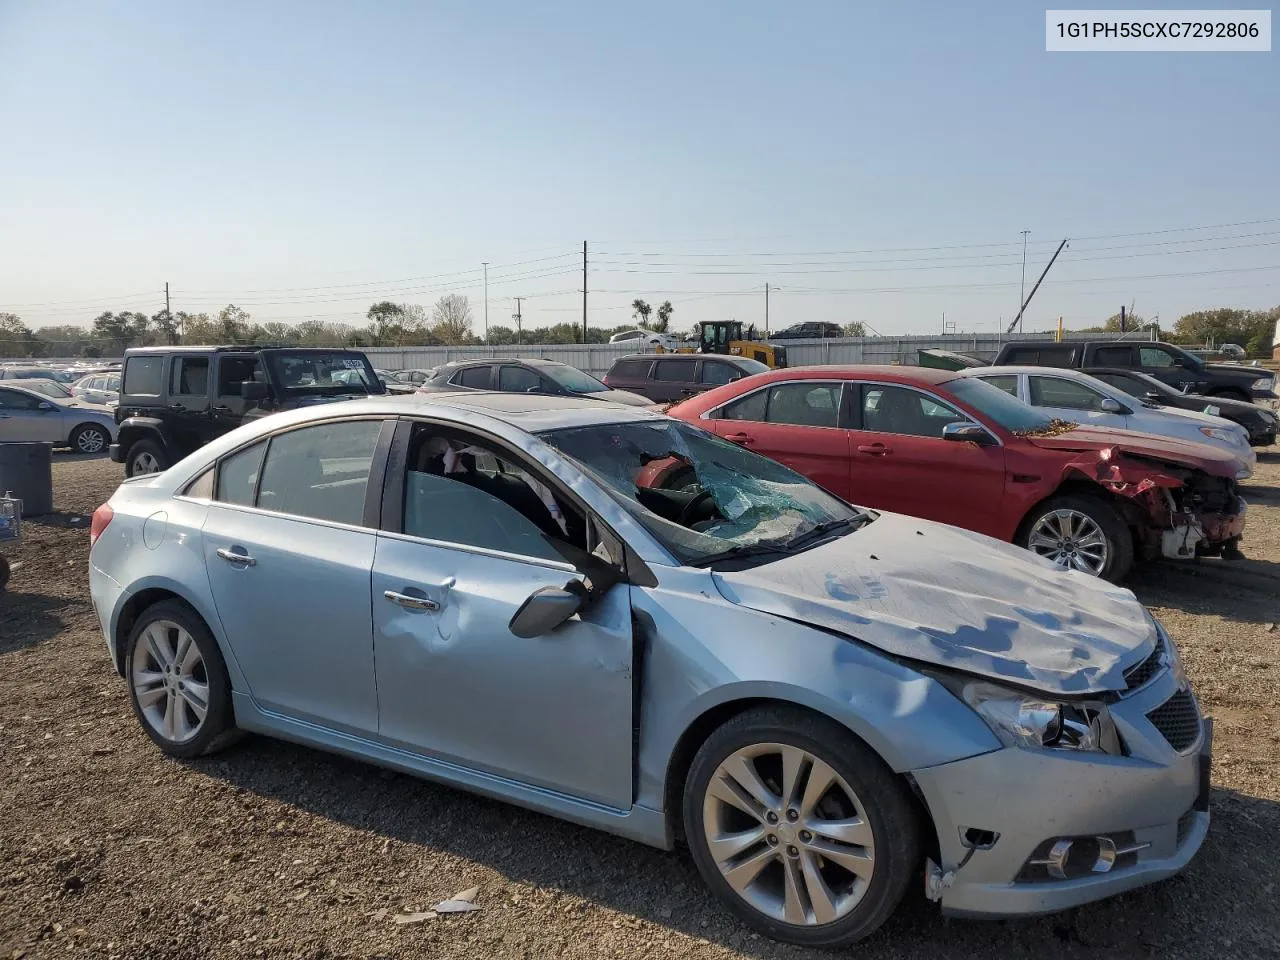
{"x":289,"y":556}
{"x":674,"y":379}
{"x":716,"y":373}
{"x":1072,"y":401}
{"x":1165,"y":365}
{"x":797,"y":424}
{"x":900,"y":461}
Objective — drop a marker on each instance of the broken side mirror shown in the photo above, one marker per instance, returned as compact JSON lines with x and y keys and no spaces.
{"x":255,"y":391}
{"x":546,"y":609}
{"x":963,"y":432}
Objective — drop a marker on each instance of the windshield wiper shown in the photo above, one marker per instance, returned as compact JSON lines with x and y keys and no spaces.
{"x":814,"y":534}
{"x":740,"y":551}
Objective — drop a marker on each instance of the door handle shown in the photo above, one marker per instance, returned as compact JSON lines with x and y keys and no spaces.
{"x":221,"y":408}
{"x":875,"y":449}
{"x":177,"y":406}
{"x":743,"y":438}
{"x":411,"y":603}
{"x":232,"y":556}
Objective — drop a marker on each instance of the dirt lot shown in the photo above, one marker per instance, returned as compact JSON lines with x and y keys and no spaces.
{"x":270,"y":850}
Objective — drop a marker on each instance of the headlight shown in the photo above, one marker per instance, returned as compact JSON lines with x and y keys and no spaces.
{"x":1025,"y":720}
{"x":1226,"y":436}
{"x":1212,"y":411}
{"x":1264,"y":384}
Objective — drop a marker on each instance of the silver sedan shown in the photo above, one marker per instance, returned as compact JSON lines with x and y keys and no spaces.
{"x":500,"y":591}
{"x":64,"y":422}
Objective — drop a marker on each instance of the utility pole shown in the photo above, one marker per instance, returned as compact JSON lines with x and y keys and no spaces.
{"x":1022,"y":294}
{"x":584,"y":291}
{"x":167,"y":315}
{"x":516,"y":316}
{"x":485,"y":264}
{"x":766,"y":310}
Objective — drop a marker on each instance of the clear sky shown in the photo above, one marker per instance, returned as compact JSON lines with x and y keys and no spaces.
{"x":874,"y":162}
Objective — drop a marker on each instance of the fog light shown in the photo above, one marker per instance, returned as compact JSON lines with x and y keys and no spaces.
{"x":1069,"y":858}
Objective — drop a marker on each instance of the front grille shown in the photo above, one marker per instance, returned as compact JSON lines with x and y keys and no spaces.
{"x":1140,"y":675}
{"x":1177,"y":720}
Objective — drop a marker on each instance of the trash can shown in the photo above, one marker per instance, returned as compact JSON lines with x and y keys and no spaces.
{"x":26,"y":472}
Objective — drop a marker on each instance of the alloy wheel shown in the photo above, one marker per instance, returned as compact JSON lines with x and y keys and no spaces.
{"x":170,"y":681}
{"x":1071,"y":539}
{"x":91,"y":440}
{"x":145,"y":463}
{"x":788,"y":834}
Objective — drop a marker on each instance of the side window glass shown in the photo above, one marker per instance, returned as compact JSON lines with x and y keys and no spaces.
{"x":233,"y":371}
{"x":457,"y":492}
{"x":805,"y":404}
{"x":717,"y":373}
{"x":143,"y":376}
{"x":1135,"y":388}
{"x":750,"y":407}
{"x":238,"y":475}
{"x":1155,"y":357}
{"x":1113,"y":356}
{"x":475,"y":377}
{"x":13,"y":400}
{"x":201,"y":488}
{"x":518,"y":379}
{"x":906,"y":412}
{"x":1009,"y":384}
{"x":189,"y":377}
{"x":676,"y":371}
{"x":1053,"y":392}
{"x":320,"y":471}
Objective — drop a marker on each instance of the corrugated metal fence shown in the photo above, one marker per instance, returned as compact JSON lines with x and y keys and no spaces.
{"x":596,"y":358}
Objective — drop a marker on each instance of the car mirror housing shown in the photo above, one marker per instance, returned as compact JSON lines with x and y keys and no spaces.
{"x":46,"y":406}
{"x":1151,"y":396}
{"x":968,"y":432}
{"x":1110,"y":405}
{"x":254,"y":391}
{"x":546,"y":609}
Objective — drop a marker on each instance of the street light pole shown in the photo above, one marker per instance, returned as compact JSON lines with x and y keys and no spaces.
{"x":1022,"y":294}
{"x":485,"y":264}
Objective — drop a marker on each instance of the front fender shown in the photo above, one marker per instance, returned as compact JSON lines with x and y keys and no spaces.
{"x":700,"y":652}
{"x":132,"y":429}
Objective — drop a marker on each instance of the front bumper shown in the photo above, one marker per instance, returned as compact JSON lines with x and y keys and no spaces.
{"x":1157,"y":796}
{"x":116,"y":453}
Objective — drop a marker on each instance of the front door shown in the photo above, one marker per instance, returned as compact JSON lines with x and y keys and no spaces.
{"x":188,"y":418}
{"x":289,"y":565}
{"x":229,"y":407}
{"x":1072,"y":401}
{"x":900,"y":461}
{"x":472,"y":542}
{"x":25,"y":416}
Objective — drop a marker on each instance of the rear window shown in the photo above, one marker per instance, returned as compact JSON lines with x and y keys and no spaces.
{"x":673,"y":370}
{"x":1041,"y":356}
{"x":143,"y":376}
{"x":631,"y":369}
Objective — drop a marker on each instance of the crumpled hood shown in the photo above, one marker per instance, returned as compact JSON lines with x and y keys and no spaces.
{"x":956,"y":599}
{"x":1188,"y":453}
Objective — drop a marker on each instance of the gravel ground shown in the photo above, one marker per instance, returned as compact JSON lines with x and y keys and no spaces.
{"x":272,"y":850}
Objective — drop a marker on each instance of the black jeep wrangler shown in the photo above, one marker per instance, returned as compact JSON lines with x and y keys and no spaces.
{"x":174,"y":400}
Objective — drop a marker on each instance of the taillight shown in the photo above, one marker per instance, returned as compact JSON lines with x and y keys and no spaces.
{"x":101,"y":517}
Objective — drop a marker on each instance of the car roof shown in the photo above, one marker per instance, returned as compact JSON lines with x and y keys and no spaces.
{"x":1066,"y":373}
{"x":889,"y":373}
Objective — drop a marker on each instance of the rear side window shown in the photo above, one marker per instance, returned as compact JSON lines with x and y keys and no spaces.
{"x":474,"y":377}
{"x":143,"y":376}
{"x":1113,"y":356}
{"x":1067,"y":394}
{"x":678,"y":371}
{"x":631,"y":369}
{"x":805,"y":404}
{"x":321,"y":471}
{"x":750,"y":407}
{"x":1009,"y":384}
{"x":238,"y":475}
{"x":190,"y":376}
{"x":1041,"y":356}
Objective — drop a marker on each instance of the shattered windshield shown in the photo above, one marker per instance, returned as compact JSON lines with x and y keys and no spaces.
{"x":705,"y":499}
{"x":323,"y":369}
{"x":1008,"y":411}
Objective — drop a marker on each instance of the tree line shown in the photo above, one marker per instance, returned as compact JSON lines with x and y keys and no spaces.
{"x":450,"y":322}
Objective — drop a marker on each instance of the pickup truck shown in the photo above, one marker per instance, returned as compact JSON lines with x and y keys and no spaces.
{"x":1164,"y":361}
{"x":173,"y":400}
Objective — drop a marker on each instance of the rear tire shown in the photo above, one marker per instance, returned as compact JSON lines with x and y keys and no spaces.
{"x":823,"y":867}
{"x":89,"y":438}
{"x":145,"y":456}
{"x":178,"y":683}
{"x":1040,"y":534}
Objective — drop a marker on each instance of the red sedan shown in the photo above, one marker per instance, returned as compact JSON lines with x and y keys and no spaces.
{"x":957,"y":450}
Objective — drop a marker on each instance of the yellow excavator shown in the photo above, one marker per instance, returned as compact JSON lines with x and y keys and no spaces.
{"x":726,"y":336}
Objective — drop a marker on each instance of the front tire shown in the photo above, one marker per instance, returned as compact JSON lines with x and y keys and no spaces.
{"x":1080,"y":532}
{"x":89,"y":438}
{"x":799,"y":827}
{"x":178,"y":683}
{"x":145,"y":456}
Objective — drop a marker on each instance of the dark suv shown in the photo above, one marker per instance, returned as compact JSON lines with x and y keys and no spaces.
{"x":810,"y":330}
{"x":671,"y":377}
{"x":174,"y":400}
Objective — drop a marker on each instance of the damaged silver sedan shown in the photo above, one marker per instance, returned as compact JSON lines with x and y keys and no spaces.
{"x":519,"y":596}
